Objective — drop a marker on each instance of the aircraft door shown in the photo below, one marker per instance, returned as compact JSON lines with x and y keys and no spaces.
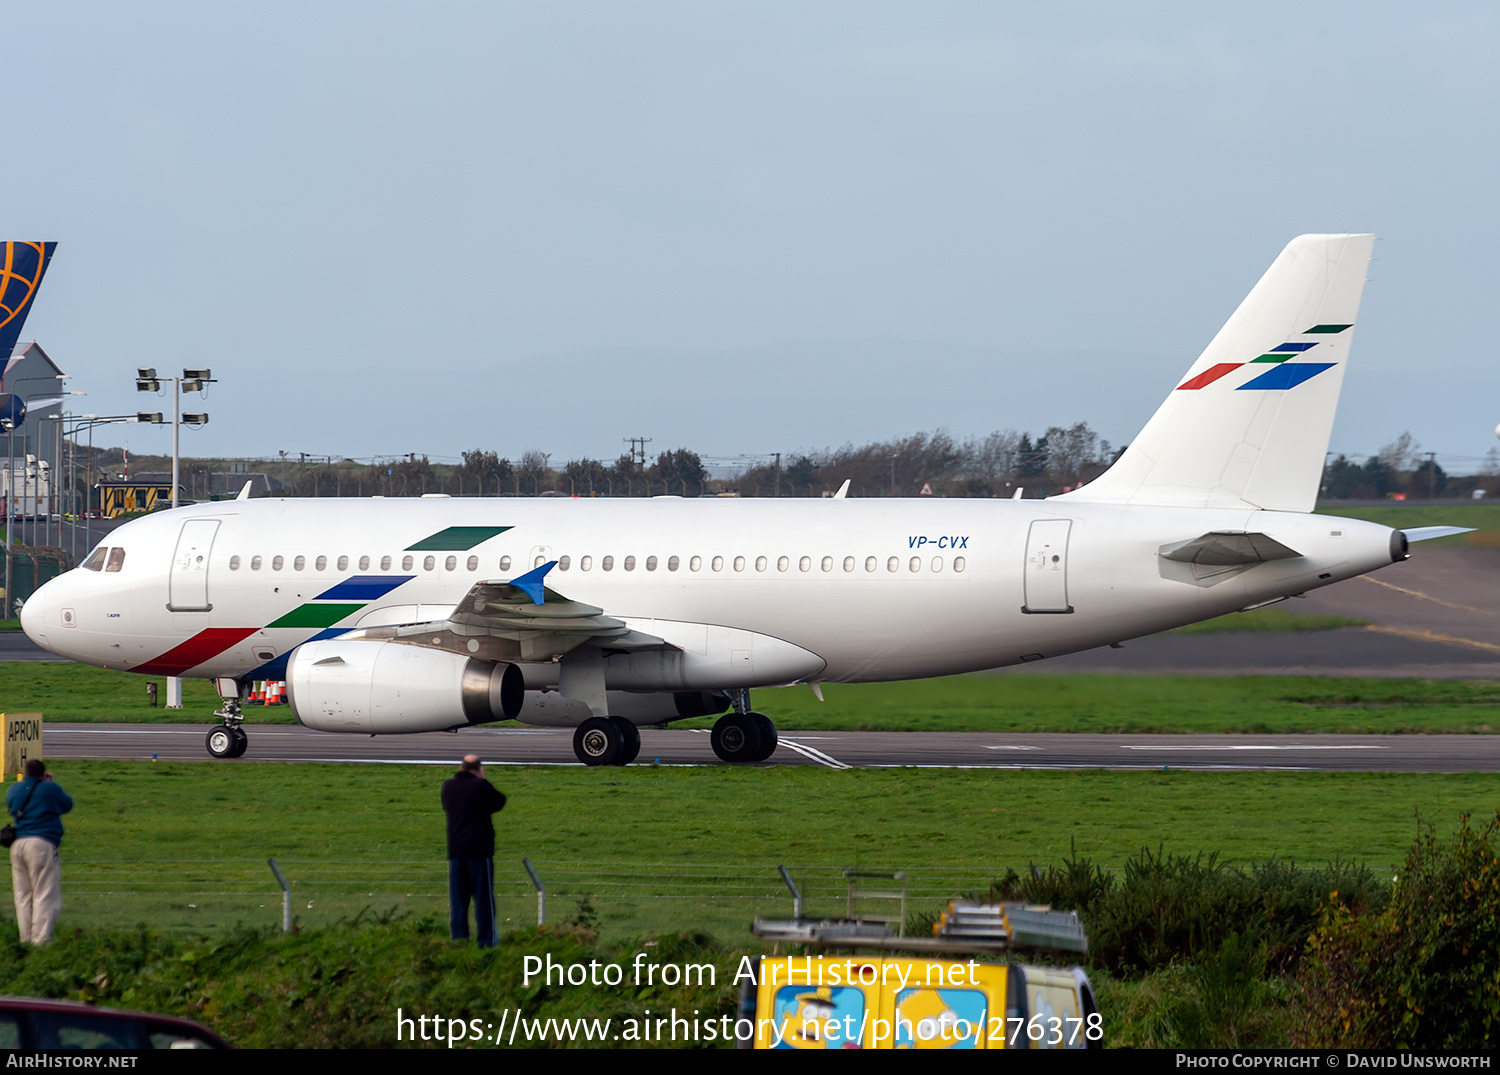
{"x":187,"y":588}
{"x":1047,"y":566}
{"x":540,"y":554}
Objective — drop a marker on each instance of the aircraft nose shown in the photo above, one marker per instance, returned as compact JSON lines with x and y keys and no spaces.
{"x":34,"y":616}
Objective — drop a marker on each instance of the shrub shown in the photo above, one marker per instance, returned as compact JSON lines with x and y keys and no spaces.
{"x":1425,"y":973}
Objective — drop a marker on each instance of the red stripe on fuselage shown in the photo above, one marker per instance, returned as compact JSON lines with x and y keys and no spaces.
{"x":203,"y":645}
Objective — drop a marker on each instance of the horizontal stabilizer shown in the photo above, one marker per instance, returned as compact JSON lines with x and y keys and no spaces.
{"x":1226,"y":548}
{"x":1427,"y":533}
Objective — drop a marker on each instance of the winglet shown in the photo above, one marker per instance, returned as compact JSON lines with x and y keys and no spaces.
{"x":244,"y":491}
{"x":843,"y":492}
{"x":530,"y":583}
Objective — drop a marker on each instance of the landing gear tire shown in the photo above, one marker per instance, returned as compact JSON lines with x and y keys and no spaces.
{"x":221,"y":742}
{"x":597,"y":741}
{"x":768,"y":736}
{"x":736,"y":738}
{"x":630,"y":741}
{"x":241,"y":742}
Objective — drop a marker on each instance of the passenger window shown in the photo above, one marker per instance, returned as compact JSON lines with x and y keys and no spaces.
{"x":848,"y":563}
{"x":630,"y":563}
{"x":505,"y":563}
{"x":255,"y":563}
{"x":473,"y":563}
{"x":564,"y":562}
{"x":828,"y":563}
{"x":695,"y":564}
{"x":320,"y":564}
{"x":673,"y":563}
{"x":539,"y":561}
{"x":608,"y":563}
{"x":343,"y":563}
{"x":234,"y":563}
{"x":893,"y":564}
{"x":717,"y":563}
{"x":739,"y":564}
{"x":760,"y":563}
{"x":650,"y":563}
{"x":916,"y":563}
{"x":385,"y":563}
{"x":299,"y":563}
{"x":804,"y":564}
{"x":937,"y":563}
{"x":429,"y":562}
{"x":450,"y":564}
{"x":782,"y":563}
{"x":276,"y":562}
{"x":116,"y":559}
{"x":585,"y":563}
{"x":406,"y":562}
{"x":870,"y":563}
{"x":95,"y":562}
{"x":364,"y":563}
{"x":958,"y":563}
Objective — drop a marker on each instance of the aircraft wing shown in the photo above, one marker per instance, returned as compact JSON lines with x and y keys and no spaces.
{"x":517,"y":620}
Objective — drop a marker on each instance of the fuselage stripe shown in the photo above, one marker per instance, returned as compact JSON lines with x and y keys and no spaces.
{"x":207,"y":643}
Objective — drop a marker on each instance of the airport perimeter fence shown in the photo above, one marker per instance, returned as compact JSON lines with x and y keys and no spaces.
{"x":620,"y":899}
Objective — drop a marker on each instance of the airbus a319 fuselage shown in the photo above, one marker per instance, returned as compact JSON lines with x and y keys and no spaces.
{"x":387,"y":616}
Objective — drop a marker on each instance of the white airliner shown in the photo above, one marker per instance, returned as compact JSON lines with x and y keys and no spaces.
{"x":386,"y":616}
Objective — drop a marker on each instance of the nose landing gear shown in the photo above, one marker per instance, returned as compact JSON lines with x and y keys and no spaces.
{"x":228,"y":740}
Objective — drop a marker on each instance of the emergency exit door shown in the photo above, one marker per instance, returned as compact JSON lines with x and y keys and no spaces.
{"x":1047,"y":566}
{"x":187,"y":588}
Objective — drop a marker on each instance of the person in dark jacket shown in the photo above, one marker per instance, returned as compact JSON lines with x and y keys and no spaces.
{"x":469,"y":800}
{"x":37,"y":803}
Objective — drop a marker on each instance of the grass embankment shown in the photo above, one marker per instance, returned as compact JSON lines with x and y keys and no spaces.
{"x":1268,"y":621}
{"x":1085,"y":703}
{"x":184,"y":846}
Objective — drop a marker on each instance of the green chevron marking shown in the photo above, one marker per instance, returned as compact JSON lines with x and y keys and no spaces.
{"x":318,"y":615}
{"x":457,"y":538}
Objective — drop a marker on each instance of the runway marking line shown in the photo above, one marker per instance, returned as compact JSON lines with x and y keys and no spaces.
{"x":1433,"y":636}
{"x":1429,"y":597}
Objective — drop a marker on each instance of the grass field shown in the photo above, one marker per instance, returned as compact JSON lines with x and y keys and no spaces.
{"x":1079,"y":703}
{"x":184,"y":846}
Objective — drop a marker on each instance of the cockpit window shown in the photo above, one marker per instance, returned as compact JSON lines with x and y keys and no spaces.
{"x":116,"y":559}
{"x":95,"y":562}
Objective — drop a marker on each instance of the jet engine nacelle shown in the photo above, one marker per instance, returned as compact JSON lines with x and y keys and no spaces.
{"x":388,"y":687}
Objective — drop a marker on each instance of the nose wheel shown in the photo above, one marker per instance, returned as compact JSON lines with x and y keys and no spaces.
{"x":226,"y":741}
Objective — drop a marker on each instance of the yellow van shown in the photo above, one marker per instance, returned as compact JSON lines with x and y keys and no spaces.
{"x":891,"y":1002}
{"x":955,"y":995}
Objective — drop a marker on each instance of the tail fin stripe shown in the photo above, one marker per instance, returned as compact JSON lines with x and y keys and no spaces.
{"x":1209,"y":376}
{"x":1289,"y":375}
{"x":1326,"y":328}
{"x":1295,"y":346}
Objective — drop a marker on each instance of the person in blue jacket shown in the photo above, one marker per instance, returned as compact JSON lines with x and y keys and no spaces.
{"x":37,"y":803}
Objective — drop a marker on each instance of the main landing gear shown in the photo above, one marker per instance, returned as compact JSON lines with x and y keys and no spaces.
{"x":744,"y":737}
{"x":606,"y":741}
{"x":229,"y":739}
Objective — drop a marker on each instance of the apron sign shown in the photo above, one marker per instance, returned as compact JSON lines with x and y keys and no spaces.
{"x":23,"y":740}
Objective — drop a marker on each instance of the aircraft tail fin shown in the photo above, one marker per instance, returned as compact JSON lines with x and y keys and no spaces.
{"x":1248,"y":424}
{"x":22,"y":266}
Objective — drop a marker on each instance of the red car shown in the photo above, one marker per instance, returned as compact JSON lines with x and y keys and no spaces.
{"x":31,"y":1023}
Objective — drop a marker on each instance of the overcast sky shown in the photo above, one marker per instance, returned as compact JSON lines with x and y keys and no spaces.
{"x":740,"y":227}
